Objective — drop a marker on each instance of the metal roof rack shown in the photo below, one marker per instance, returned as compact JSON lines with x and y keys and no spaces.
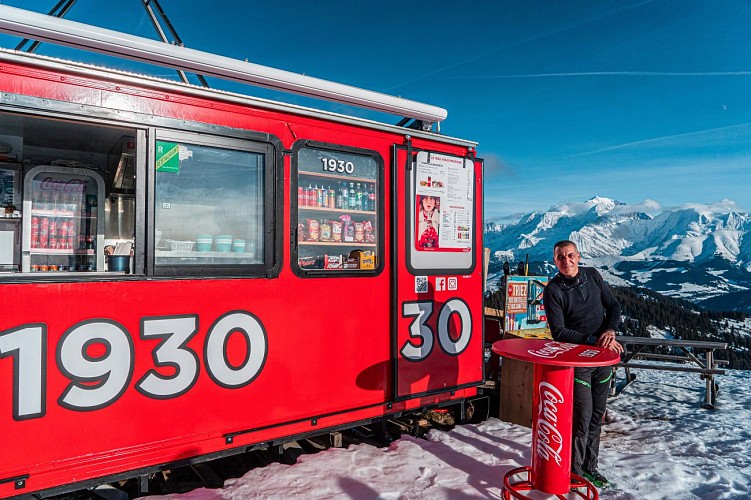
{"x":42,"y":27}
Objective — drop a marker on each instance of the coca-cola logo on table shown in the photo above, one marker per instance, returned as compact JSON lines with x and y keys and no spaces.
{"x":552,"y":349}
{"x":549,"y":438}
{"x":66,"y":186}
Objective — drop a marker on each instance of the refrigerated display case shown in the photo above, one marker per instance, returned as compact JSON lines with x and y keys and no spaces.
{"x":63,"y":220}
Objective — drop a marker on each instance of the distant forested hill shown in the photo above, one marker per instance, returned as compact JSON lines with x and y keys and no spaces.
{"x":647,"y":313}
{"x":642,"y":309}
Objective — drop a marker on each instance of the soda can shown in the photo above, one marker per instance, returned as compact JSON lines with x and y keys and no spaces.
{"x":54,"y":244}
{"x":44,"y":231}
{"x":52,"y":228}
{"x":34,"y":232}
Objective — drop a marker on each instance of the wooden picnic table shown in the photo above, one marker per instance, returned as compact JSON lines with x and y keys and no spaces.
{"x":690,"y":352}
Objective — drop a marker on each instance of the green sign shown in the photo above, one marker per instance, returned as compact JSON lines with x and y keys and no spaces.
{"x":167,"y":157}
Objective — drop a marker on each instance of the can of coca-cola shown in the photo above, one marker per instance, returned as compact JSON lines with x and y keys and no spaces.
{"x":62,"y":234}
{"x":44,"y":231}
{"x":54,"y":243}
{"x":34,"y":232}
{"x":71,"y":235}
{"x":52,"y":229}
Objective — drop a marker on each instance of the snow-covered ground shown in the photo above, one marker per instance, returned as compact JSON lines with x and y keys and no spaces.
{"x":657,"y":444}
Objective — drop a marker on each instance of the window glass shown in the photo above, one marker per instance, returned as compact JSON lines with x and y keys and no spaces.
{"x":338,"y":200}
{"x":208,"y":206}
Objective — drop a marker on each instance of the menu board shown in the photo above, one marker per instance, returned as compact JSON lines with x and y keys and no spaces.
{"x":444,"y":191}
{"x":7,"y":187}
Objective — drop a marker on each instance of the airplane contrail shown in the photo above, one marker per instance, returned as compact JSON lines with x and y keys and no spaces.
{"x":606,"y":73}
{"x":531,"y":38}
{"x":663,"y":138}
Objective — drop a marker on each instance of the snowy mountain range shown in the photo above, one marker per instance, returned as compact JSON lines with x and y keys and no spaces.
{"x":700,"y":253}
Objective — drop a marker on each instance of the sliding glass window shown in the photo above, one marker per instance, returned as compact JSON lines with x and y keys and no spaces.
{"x":209,"y":206}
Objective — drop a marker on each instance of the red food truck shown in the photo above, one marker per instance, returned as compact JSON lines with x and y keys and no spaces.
{"x":189,"y":273}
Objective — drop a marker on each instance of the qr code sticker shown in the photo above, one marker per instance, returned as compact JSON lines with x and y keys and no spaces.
{"x":421,"y":284}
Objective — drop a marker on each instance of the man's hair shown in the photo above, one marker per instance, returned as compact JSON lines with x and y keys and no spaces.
{"x":565,"y":243}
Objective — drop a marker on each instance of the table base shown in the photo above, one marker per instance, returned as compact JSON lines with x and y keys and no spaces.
{"x":511,"y":489}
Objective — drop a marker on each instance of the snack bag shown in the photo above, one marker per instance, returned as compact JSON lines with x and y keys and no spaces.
{"x":336,"y":231}
{"x":359,"y":233}
{"x":348,"y":229}
{"x":325,"y":230}
{"x":368,"y":229}
{"x":314,"y":229}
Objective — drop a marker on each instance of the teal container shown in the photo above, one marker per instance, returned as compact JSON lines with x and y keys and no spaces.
{"x":224,"y":243}
{"x":238,"y":246}
{"x":203,"y":242}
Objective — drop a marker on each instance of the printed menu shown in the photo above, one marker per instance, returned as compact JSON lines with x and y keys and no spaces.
{"x":443,"y":203}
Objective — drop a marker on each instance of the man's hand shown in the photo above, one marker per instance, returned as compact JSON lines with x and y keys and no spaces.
{"x":607,"y":341}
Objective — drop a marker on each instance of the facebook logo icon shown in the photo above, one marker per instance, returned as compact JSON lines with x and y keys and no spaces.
{"x":440,"y":284}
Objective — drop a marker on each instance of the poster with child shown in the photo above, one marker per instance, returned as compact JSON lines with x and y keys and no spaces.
{"x":428,"y":221}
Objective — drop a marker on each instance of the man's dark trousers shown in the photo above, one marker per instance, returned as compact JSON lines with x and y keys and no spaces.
{"x":591,"y":389}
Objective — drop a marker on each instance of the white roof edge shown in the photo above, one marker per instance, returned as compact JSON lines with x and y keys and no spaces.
{"x":42,"y":27}
{"x":163,"y":84}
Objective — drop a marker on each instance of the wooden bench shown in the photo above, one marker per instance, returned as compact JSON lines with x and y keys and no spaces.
{"x":707,"y":368}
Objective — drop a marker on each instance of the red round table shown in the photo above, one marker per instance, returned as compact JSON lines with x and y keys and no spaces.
{"x":552,"y":406}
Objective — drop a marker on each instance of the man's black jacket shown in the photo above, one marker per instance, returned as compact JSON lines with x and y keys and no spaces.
{"x":579,"y":309}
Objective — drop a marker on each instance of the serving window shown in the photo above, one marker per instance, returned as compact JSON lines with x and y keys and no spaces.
{"x":337,"y":210}
{"x":67,"y":200}
{"x":209,"y":199}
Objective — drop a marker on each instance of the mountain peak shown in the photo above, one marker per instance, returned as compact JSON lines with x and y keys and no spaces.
{"x":711,"y":239}
{"x":603,"y":227}
{"x":602,"y":205}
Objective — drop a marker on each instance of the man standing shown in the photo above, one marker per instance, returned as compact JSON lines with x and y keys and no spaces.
{"x":582,"y":310}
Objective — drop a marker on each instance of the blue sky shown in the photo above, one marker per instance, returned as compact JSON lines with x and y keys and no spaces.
{"x":628,"y":99}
